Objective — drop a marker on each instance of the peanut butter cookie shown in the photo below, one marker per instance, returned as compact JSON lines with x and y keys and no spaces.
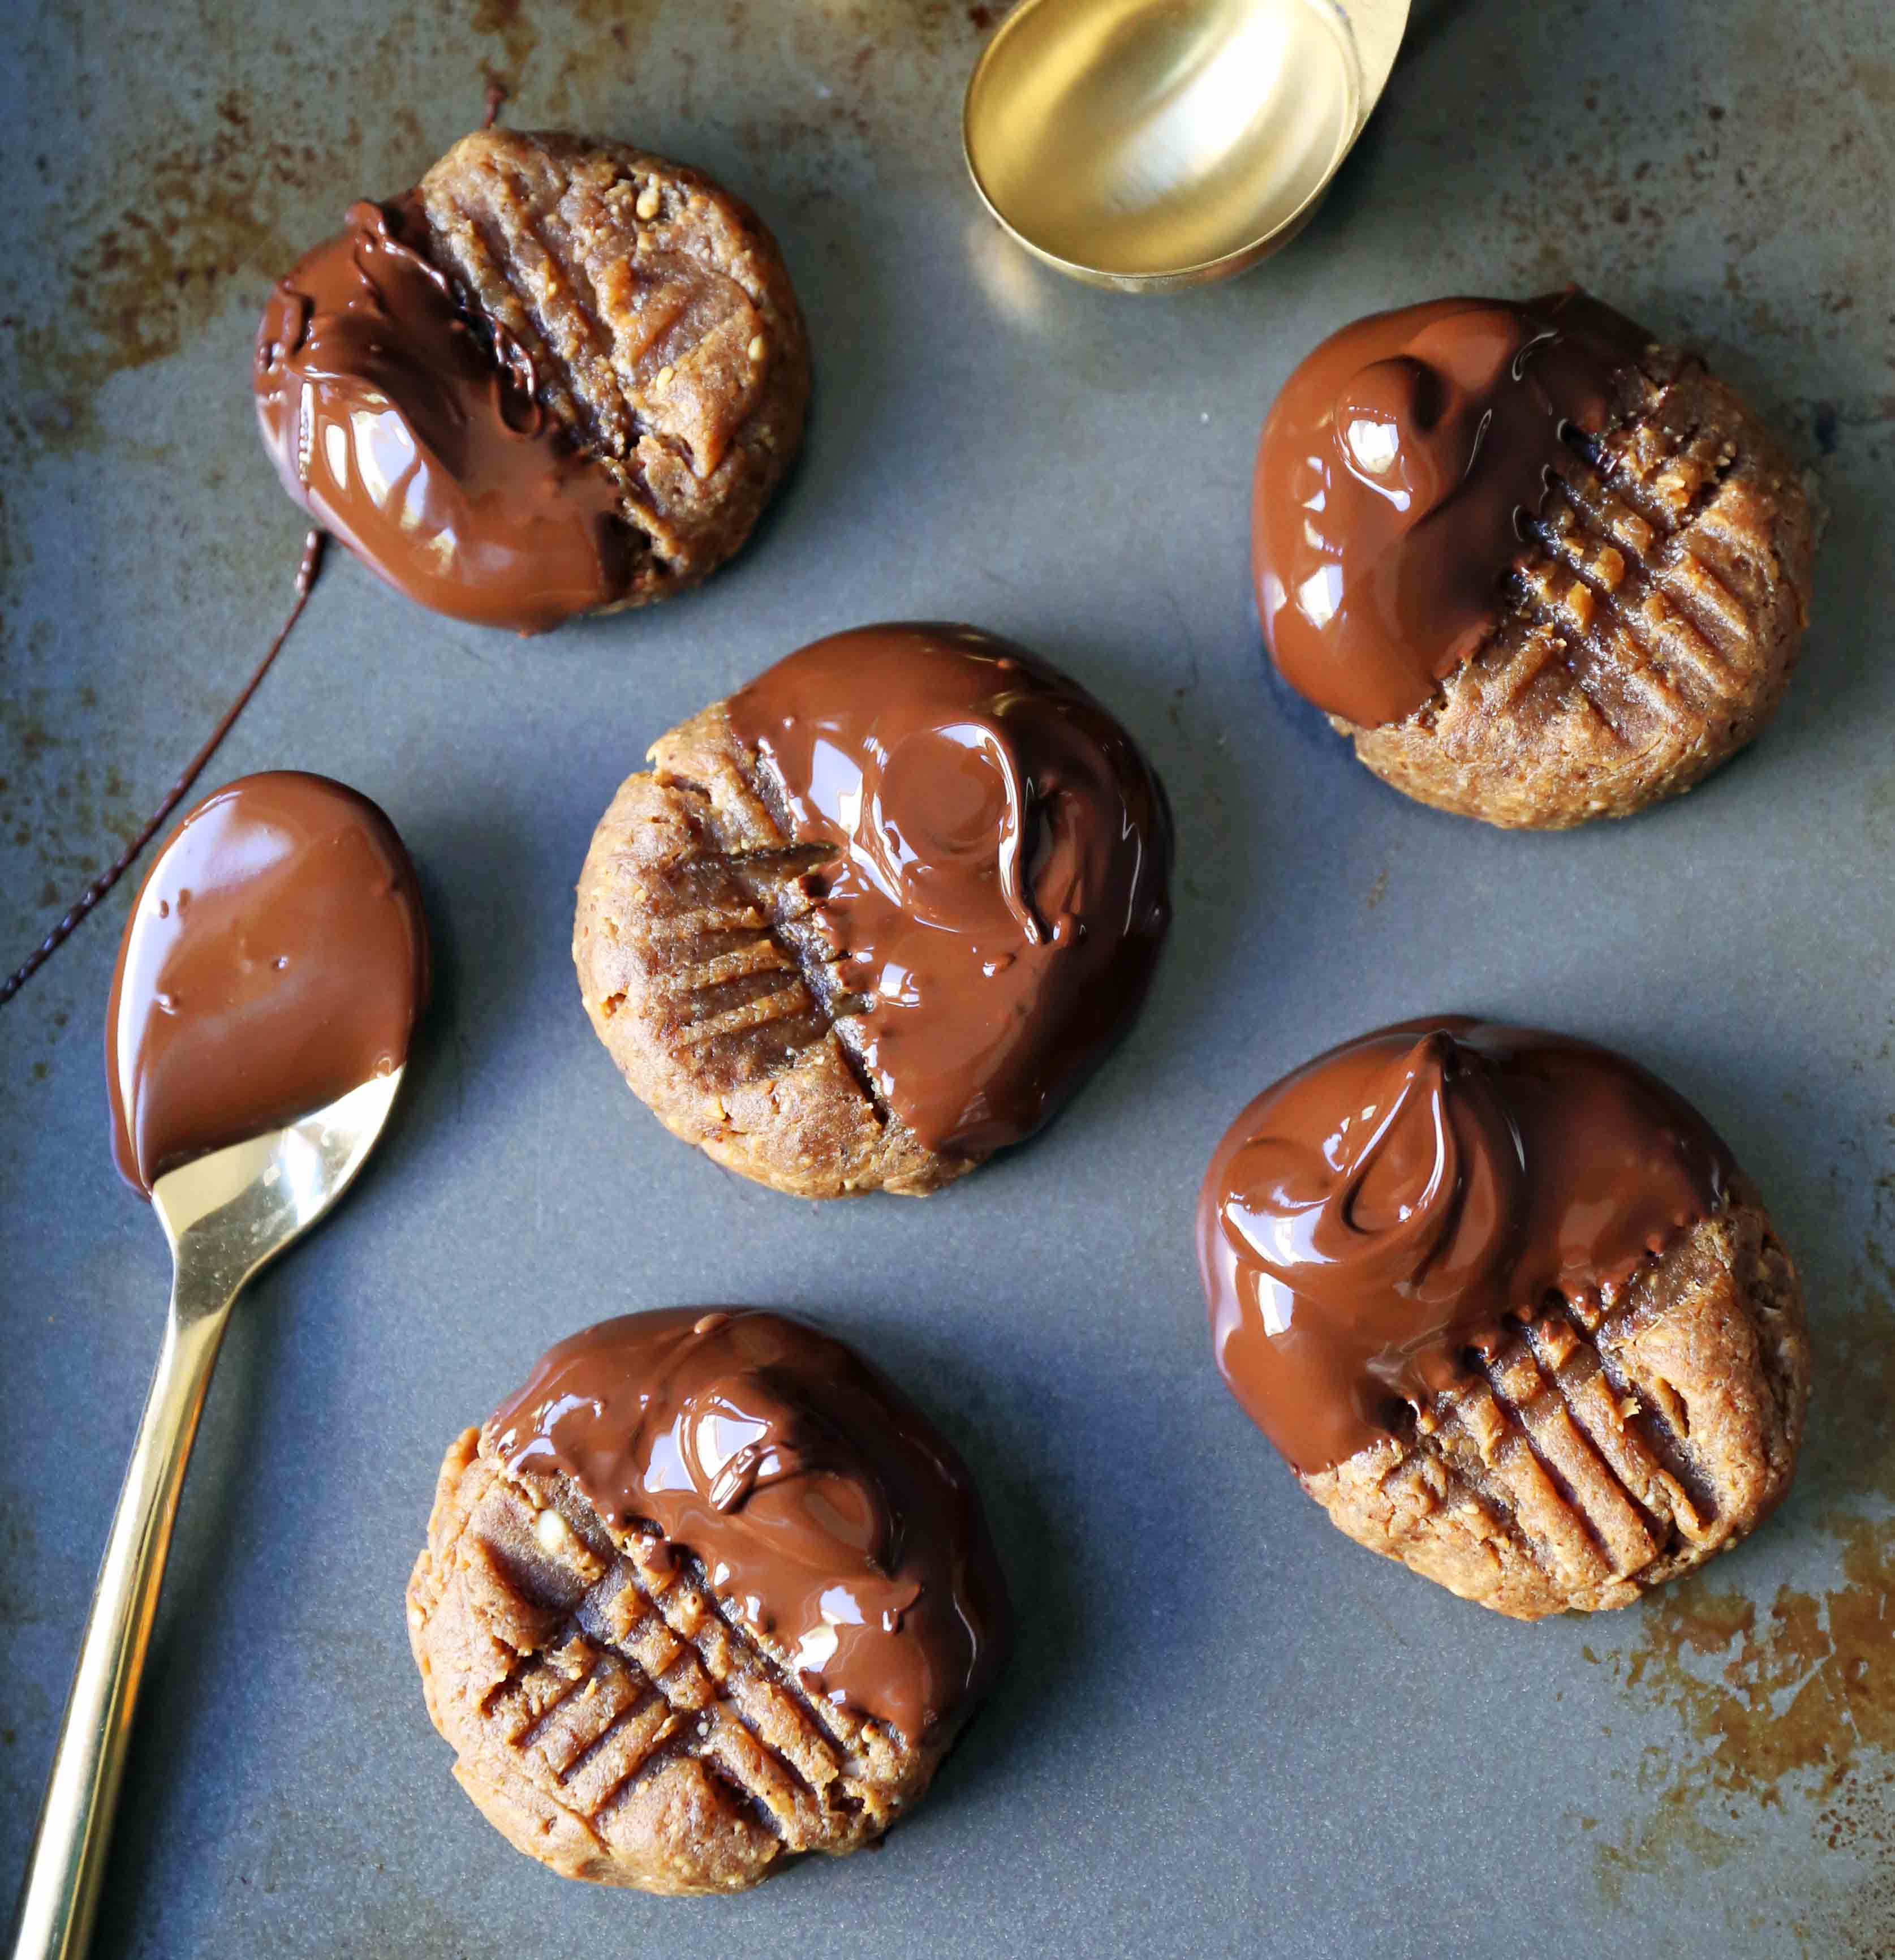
{"x":1539,"y":568}
{"x":879,"y":914}
{"x":561,"y":377}
{"x":707,"y":1593}
{"x":1510,"y":1310}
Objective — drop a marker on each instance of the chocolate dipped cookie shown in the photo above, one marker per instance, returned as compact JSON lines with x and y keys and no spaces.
{"x":1510,"y":1311}
{"x":559,"y":376}
{"x":1538,"y":568}
{"x":878,"y":914}
{"x":708,"y":1592}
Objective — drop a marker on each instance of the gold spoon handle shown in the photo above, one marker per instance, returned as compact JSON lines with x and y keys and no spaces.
{"x":61,"y":1893}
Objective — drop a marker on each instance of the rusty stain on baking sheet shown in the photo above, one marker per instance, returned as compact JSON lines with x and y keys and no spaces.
{"x":20,"y":1769}
{"x":509,"y":21}
{"x":154,"y":248}
{"x":855,"y":87}
{"x":17,"y":1607}
{"x":152,"y":245}
{"x":61,"y":804}
{"x":167,"y":234}
{"x":150,"y":263}
{"x":883,"y":77}
{"x":1792,"y":1701}
{"x":180,"y":229}
{"x":1787,"y":1699}
{"x":1790,"y":121}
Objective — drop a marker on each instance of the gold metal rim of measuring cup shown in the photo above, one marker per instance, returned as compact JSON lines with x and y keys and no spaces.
{"x":1372,"y":31}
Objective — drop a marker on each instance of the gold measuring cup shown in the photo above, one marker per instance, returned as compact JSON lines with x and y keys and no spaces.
{"x":1147,"y":144}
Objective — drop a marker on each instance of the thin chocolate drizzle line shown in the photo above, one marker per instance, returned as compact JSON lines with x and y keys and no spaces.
{"x":497,"y":94}
{"x":305,"y":573}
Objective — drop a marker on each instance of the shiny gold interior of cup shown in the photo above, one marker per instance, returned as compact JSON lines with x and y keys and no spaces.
{"x":1144,"y":143}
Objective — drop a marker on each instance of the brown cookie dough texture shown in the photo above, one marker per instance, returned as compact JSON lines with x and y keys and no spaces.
{"x":1649,"y":636}
{"x":607,"y":1718}
{"x":1600,"y":1454}
{"x":707,"y":1593}
{"x":879,"y":914}
{"x":692,"y":917}
{"x":659,"y":318}
{"x":1508,"y":1309}
{"x":1540,"y":568}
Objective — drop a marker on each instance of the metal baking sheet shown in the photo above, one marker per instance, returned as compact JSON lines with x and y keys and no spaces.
{"x":1226,"y":1731}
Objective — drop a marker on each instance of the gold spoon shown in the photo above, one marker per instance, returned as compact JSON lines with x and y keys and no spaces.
{"x":1146,"y":144}
{"x":226,"y":1215}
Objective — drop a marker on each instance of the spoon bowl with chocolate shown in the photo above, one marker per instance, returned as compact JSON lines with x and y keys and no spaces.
{"x":270,"y":976}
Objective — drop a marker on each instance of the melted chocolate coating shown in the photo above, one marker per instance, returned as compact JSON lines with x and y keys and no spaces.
{"x":1385,"y":1208}
{"x":818,"y":1500}
{"x":1000,"y":889}
{"x":276,"y":958}
{"x":414,"y":435}
{"x":1394,"y":479}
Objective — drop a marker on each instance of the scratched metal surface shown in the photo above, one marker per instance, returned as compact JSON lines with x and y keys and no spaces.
{"x":1226,"y":1731}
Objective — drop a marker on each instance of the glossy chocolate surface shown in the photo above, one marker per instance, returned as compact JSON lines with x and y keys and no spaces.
{"x":819,"y":1501}
{"x":413,"y":432}
{"x":1377,"y":1214}
{"x":1000,"y":886}
{"x":1396,"y":474}
{"x":276,"y":958}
